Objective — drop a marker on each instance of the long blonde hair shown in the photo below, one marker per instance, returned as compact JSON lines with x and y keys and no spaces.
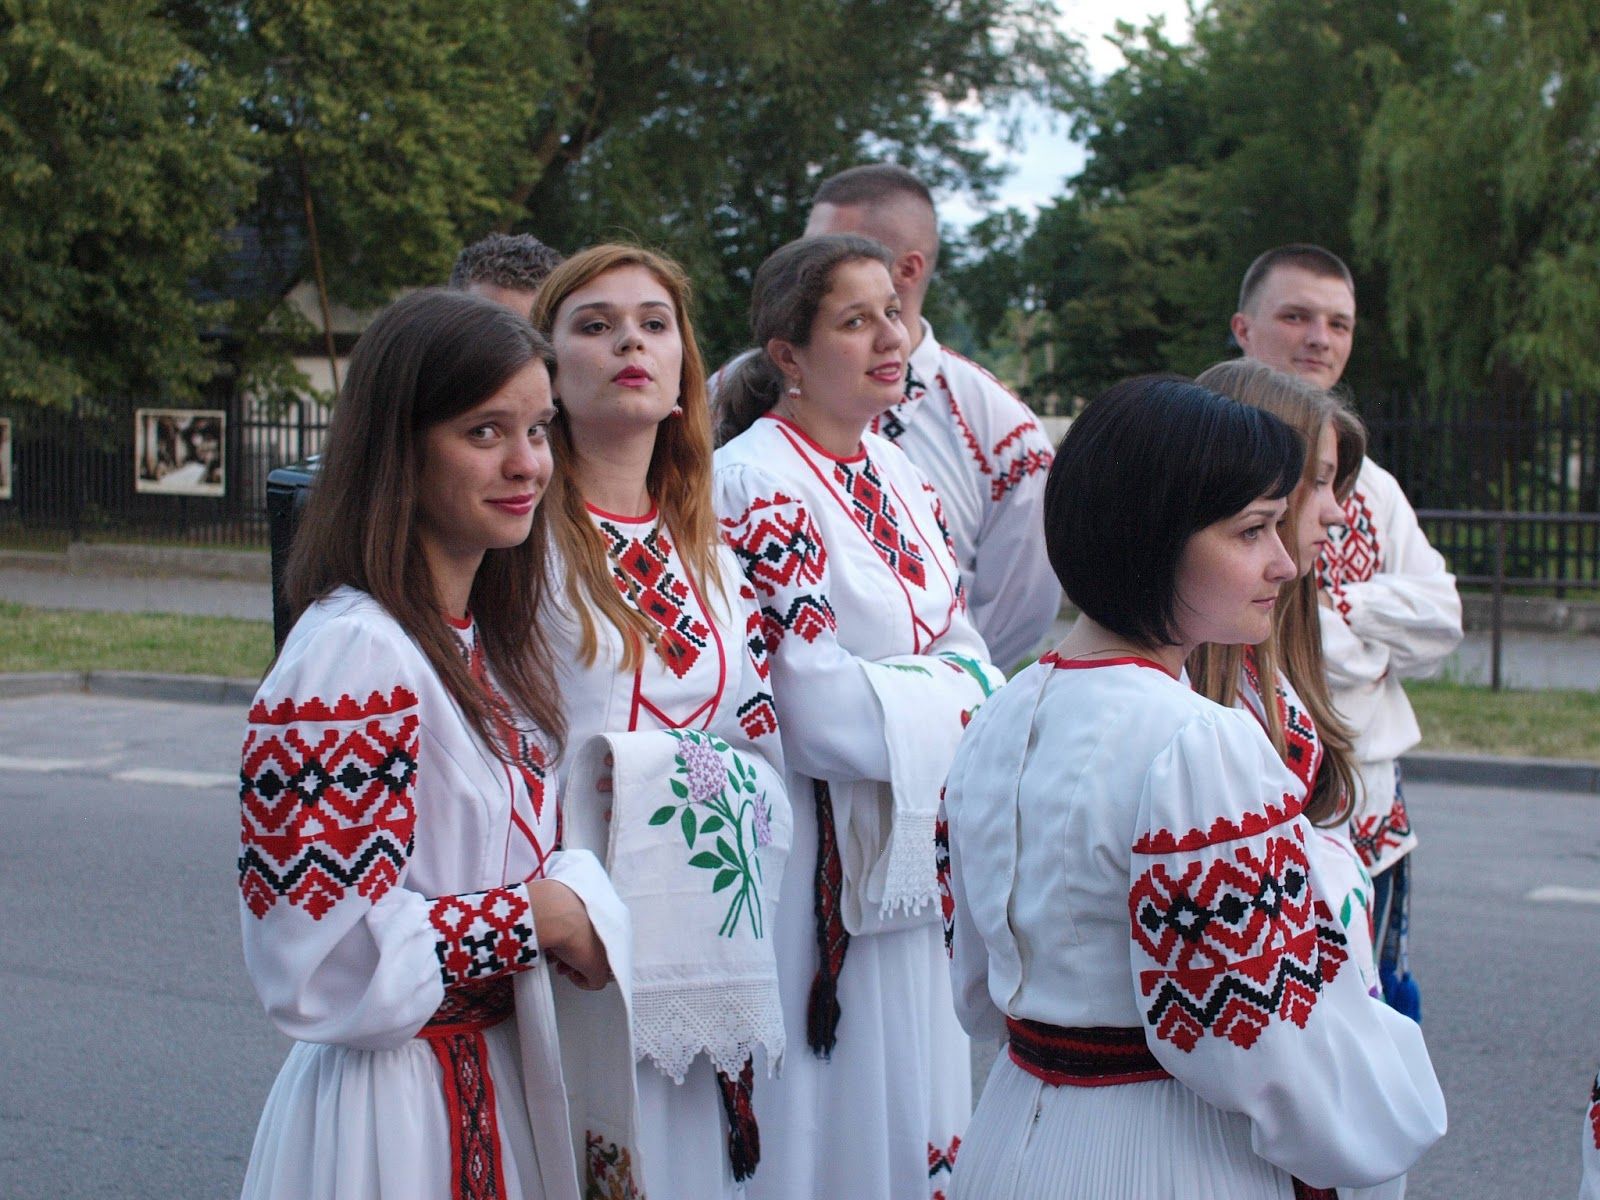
{"x":678,"y":480}
{"x":1295,"y":644}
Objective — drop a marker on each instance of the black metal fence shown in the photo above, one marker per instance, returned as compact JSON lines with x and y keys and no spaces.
{"x":130,"y":469}
{"x":1477,"y":454}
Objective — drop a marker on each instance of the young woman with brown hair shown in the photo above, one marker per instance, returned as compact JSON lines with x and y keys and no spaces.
{"x":401,"y":886}
{"x":664,"y":676}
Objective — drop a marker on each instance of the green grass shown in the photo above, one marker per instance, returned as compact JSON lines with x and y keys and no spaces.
{"x":34,"y":639}
{"x":1552,"y":724}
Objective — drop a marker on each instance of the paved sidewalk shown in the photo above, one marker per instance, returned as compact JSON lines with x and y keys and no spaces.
{"x":136,"y":593}
{"x":1530,"y":660}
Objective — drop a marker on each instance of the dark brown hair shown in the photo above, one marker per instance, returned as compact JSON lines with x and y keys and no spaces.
{"x":789,"y":289}
{"x":679,"y":478}
{"x":427,"y":358}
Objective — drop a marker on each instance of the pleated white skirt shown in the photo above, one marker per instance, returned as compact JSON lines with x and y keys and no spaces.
{"x":877,"y":1120}
{"x":684,"y":1135}
{"x":345,"y":1124}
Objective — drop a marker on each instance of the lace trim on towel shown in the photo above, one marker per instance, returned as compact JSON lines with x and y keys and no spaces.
{"x":725,"y":1021}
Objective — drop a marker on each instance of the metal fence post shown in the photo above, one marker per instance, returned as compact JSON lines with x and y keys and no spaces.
{"x":1497,"y":598}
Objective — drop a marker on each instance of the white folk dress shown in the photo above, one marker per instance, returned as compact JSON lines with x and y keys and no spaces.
{"x":1395,"y":615}
{"x":875,"y":669}
{"x":707,"y":675}
{"x":1125,"y":854}
{"x":987,"y":456}
{"x":382,"y":875}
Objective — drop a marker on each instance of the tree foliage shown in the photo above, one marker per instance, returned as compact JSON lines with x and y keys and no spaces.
{"x":1481,"y":194}
{"x":1200,"y":155}
{"x":122,"y":159}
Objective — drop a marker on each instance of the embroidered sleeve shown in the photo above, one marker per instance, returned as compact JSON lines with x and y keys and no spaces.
{"x":338,"y":950}
{"x":1390,"y":587}
{"x":1241,"y":972}
{"x":1014,"y":594}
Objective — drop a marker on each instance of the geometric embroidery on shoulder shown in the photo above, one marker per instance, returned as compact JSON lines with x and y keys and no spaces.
{"x":777,"y":544}
{"x":755,"y":640}
{"x":1352,"y":554}
{"x":326,"y":808}
{"x":1164,"y":841}
{"x":1023,"y":461}
{"x":806,"y":617}
{"x":483,"y":934}
{"x":870,"y":506}
{"x":642,"y":570}
{"x":758,"y":716}
{"x":1240,"y":940}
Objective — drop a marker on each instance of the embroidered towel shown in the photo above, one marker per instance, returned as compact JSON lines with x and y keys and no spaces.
{"x":695,"y":838}
{"x":886,"y":829}
{"x":586,"y":1122}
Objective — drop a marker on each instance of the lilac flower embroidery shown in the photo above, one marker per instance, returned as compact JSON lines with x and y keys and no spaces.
{"x":704,"y":768}
{"x":762,"y":821}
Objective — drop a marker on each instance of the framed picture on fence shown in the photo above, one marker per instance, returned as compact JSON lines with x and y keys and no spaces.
{"x":5,"y":458}
{"x":179,"y":451}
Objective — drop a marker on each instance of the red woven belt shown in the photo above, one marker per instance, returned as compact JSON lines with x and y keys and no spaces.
{"x":1064,"y":1057}
{"x":455,"y":1035}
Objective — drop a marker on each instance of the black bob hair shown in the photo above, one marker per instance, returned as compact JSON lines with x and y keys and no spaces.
{"x":1151,"y":462}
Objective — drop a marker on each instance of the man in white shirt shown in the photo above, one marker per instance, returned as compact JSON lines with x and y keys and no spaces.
{"x":1390,"y":607}
{"x":981,"y":448}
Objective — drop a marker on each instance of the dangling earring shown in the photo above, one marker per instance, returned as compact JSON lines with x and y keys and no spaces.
{"x":677,"y":411}
{"x":793,"y":391}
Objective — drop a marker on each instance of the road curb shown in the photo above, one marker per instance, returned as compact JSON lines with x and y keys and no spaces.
{"x":1483,"y":770}
{"x":1472,"y":770}
{"x":132,"y":685}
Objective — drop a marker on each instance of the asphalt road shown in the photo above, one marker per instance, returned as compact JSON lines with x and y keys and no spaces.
{"x":135,"y":1058}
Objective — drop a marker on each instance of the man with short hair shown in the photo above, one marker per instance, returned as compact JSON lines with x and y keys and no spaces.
{"x":981,"y":448}
{"x":506,"y":268}
{"x":1390,"y":607}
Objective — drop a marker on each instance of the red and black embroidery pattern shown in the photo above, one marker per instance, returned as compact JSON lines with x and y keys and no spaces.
{"x":757,"y":714}
{"x":941,"y":1162}
{"x":455,"y":1034}
{"x":1373,"y":835}
{"x":1016,"y":460}
{"x":1352,"y":554}
{"x":642,"y":568}
{"x":872,"y":511}
{"x":483,"y":934}
{"x":941,"y":866}
{"x":781,"y":553}
{"x":1240,"y":940}
{"x":325,"y":800}
{"x":892,"y":422}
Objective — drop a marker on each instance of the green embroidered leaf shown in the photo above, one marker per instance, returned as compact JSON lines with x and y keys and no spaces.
{"x":909,"y":669}
{"x":706,"y":859}
{"x":712,"y":824}
{"x":689,"y":821}
{"x":679,"y":789}
{"x":662,"y":815}
{"x":727,"y":851}
{"x":724,"y":878}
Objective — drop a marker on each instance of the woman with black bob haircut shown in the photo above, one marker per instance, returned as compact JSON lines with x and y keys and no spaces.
{"x":1134,"y":905}
{"x":401,"y":889}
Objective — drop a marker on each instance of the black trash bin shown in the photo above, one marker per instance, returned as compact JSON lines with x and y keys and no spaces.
{"x":287,"y":488}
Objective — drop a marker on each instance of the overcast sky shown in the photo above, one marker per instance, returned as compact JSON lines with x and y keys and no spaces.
{"x":1048,"y":156}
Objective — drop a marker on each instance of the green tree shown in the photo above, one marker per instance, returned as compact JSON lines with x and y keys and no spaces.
{"x":1480,"y":194}
{"x":121,"y":160}
{"x":1201,"y":154}
{"x":703,"y":126}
